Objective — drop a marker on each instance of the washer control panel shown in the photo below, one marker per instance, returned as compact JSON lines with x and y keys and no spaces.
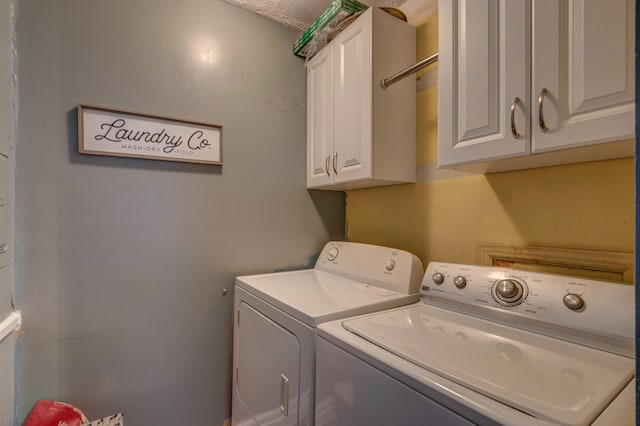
{"x":559,"y":301}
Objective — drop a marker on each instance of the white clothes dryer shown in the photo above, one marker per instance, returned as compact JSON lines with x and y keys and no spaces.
{"x":488,"y":346}
{"x":276,"y":316}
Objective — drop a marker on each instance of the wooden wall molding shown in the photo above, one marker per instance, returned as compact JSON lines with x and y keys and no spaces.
{"x":596,"y":264}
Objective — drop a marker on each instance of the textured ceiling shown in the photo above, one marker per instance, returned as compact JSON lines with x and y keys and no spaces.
{"x":300,"y":14}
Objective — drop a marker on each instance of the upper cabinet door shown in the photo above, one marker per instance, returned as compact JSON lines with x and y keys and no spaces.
{"x":484,"y":71}
{"x":352,"y":102}
{"x":320,"y":72}
{"x":583,"y":72}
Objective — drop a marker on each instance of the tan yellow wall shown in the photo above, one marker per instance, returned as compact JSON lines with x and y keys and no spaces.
{"x":585,"y":206}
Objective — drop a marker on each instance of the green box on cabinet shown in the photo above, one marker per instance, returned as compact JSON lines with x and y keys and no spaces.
{"x":336,"y":12}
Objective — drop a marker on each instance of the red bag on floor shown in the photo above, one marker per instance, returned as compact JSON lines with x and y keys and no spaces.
{"x":53,"y":413}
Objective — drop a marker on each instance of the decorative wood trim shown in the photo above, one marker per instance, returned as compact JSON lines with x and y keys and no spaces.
{"x":603,"y":264}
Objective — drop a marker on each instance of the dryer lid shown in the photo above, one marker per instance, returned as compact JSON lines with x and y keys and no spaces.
{"x":545,"y":377}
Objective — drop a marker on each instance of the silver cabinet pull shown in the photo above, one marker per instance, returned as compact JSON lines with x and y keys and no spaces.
{"x":514,"y":131}
{"x":284,"y":395}
{"x":541,"y":122}
{"x":326,"y":165}
{"x":335,"y":163}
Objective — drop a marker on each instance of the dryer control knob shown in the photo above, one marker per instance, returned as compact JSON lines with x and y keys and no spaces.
{"x":573,"y":301}
{"x":460,"y":282}
{"x":437,"y":278}
{"x":332,"y":253}
{"x":390,"y":265}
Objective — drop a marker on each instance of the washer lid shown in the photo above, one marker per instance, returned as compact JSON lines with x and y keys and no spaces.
{"x":547,"y":378}
{"x":314,"y":296}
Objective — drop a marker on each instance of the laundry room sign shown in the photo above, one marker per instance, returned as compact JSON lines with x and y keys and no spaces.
{"x":104,"y":131}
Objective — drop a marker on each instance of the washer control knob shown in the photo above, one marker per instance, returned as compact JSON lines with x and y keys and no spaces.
{"x":390,"y":265}
{"x":437,"y":278}
{"x":460,"y":282}
{"x":507,"y":289}
{"x":573,"y":301}
{"x":332,"y":253}
{"x":509,"y":292}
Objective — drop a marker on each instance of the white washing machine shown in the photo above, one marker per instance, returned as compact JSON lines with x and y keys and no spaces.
{"x":276,"y":316}
{"x":488,"y":346}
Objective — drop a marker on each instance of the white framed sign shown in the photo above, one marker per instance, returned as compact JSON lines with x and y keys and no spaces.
{"x":104,"y":131}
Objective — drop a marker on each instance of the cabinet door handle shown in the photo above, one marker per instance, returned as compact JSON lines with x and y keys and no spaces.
{"x":284,"y":395}
{"x":326,"y":165}
{"x":514,"y":131}
{"x":541,"y":122}
{"x":335,"y":163}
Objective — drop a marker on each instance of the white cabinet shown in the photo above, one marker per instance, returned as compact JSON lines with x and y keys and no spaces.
{"x":538,"y":82}
{"x":360,"y":134}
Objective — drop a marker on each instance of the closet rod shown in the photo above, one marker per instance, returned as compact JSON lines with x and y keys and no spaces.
{"x":402,"y":74}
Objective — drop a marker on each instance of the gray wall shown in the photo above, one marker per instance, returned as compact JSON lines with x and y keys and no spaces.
{"x":121,"y":263}
{"x":7,"y":162}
